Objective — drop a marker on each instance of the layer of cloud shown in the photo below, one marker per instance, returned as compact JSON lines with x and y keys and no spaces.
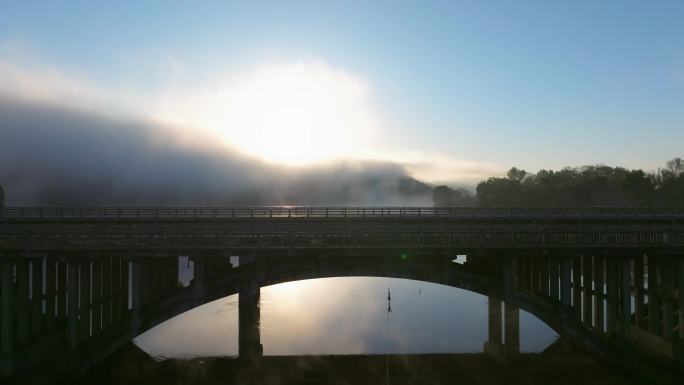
{"x":57,"y":156}
{"x":66,"y":141}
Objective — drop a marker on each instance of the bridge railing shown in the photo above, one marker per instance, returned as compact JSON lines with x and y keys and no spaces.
{"x":151,"y":213}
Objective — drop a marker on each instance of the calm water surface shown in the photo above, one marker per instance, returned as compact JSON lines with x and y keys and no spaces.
{"x":343,"y":316}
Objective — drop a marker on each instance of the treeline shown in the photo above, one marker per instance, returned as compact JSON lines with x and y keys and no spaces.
{"x":586,"y":185}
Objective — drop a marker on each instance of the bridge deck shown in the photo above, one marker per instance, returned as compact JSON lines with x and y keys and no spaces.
{"x":338,"y":230}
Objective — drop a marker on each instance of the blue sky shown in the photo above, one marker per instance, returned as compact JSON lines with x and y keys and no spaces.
{"x":537,"y":84}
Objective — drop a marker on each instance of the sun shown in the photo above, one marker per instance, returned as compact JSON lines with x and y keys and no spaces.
{"x":290,"y":113}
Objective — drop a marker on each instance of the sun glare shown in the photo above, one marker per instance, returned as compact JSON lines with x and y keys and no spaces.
{"x":294,"y":113}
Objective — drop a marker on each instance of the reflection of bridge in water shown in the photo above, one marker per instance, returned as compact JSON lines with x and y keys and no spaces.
{"x":76,"y":284}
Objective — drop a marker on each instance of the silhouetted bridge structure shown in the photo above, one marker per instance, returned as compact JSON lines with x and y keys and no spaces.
{"x":77,"y":283}
{"x":421,"y":230}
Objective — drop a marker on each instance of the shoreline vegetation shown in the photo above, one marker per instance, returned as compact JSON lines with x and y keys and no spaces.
{"x":574,"y":186}
{"x":593,"y":185}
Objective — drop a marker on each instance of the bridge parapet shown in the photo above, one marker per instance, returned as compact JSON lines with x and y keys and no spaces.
{"x":295,"y":230}
{"x":601,"y":213}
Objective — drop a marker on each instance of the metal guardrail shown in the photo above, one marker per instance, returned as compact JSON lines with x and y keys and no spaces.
{"x":153,"y":213}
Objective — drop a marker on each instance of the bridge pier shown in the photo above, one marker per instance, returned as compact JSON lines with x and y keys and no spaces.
{"x":72,"y":323}
{"x":653,"y":297}
{"x":246,"y":259}
{"x":509,"y":271}
{"x":680,"y":294}
{"x":7,"y":312}
{"x":36,"y":297}
{"x":512,"y":330}
{"x":50,"y":292}
{"x":199,"y":281}
{"x":249,"y":315}
{"x":639,"y":300}
{"x":22,"y":300}
{"x":136,"y":294}
{"x":565,"y":282}
{"x":84,"y":299}
{"x":507,"y":326}
{"x":494,"y":345}
{"x":577,"y":287}
{"x":107,"y":292}
{"x":587,"y":292}
{"x":612,"y":295}
{"x":667,"y":289}
{"x":599,"y":268}
{"x":625,"y":298}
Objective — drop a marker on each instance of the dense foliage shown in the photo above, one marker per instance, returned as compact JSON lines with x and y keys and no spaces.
{"x":586,"y":185}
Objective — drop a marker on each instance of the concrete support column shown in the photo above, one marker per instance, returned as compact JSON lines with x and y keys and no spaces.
{"x":116,"y":289}
{"x":144,"y":282}
{"x":172,"y":277}
{"x":680,"y":294}
{"x":599,"y":268}
{"x":612,"y":294}
{"x":625,"y":298}
{"x":72,"y":299}
{"x":536,"y":273}
{"x":545,"y":276}
{"x":50,"y":292}
{"x":509,"y":269}
{"x":22,"y":300}
{"x":577,"y":287}
{"x":152,"y":280}
{"x":512,"y":330}
{"x":639,"y":301}
{"x":84,"y":299}
{"x":137,"y":285}
{"x":7,"y":314}
{"x":62,"y":291}
{"x":554,"y":273}
{"x":126,"y":282}
{"x":106,"y":292}
{"x":494,"y":345}
{"x":97,"y":295}
{"x":249,"y":336}
{"x":653,"y":296}
{"x":565,"y":282}
{"x":246,"y":259}
{"x":525,"y":273}
{"x":200,"y":281}
{"x":587,"y":293}
{"x":36,"y":297}
{"x":668,"y":296}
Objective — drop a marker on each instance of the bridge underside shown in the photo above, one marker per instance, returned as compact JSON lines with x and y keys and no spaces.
{"x":135,"y":294}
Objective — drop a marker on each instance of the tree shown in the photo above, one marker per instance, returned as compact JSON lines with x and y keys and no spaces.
{"x":446,"y":196}
{"x":516,"y":174}
{"x":586,"y":185}
{"x":675,"y":167}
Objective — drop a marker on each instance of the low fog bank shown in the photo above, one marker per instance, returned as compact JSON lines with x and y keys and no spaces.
{"x":52,"y":155}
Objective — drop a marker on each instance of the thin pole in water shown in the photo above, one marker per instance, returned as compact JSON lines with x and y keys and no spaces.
{"x":389,"y":310}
